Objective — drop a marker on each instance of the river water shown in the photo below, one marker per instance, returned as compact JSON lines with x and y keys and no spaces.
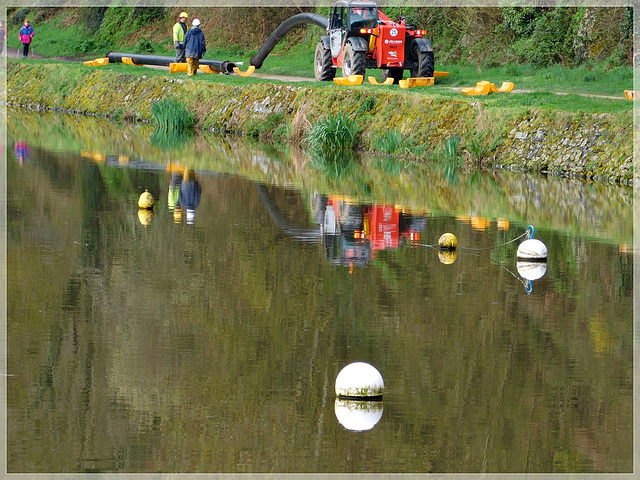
{"x":206,"y":336}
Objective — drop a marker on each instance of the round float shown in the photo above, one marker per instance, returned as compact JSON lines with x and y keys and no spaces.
{"x":359,"y":380}
{"x":146,"y":200}
{"x":448,"y":241}
{"x":532,"y":249}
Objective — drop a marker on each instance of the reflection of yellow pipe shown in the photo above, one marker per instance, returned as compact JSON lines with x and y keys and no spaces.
{"x":350,"y":80}
{"x":177,"y":68}
{"x":249,"y":71}
{"x":128,"y":61}
{"x":207,"y":69}
{"x":416,"y":82}
{"x":97,"y":62}
{"x":373,"y":81}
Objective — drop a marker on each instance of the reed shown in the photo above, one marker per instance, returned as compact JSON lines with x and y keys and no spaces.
{"x":333,"y":135}
{"x":171,"y":116}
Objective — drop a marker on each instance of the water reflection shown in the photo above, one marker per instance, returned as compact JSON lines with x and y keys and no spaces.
{"x":353,"y":232}
{"x":22,"y":151}
{"x":184,"y":193}
{"x":213,"y":349}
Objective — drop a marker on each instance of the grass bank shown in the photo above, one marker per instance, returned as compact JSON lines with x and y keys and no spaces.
{"x":505,"y":129}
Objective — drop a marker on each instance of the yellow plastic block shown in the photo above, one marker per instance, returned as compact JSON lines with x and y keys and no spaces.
{"x":97,"y":62}
{"x":505,"y":87}
{"x":481,"y":88}
{"x":249,"y":71}
{"x":373,"y":81}
{"x":128,"y":61}
{"x":631,"y":94}
{"x":416,"y":82}
{"x":177,"y":68}
{"x":350,"y":80}
{"x":207,"y":69}
{"x":440,"y":74}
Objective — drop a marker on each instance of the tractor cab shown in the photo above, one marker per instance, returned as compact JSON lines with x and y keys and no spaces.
{"x":347,"y":18}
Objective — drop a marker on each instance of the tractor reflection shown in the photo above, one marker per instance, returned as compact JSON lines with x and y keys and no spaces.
{"x":352,"y":233}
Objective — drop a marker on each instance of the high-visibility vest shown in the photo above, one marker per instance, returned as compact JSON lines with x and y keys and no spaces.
{"x":178,"y":32}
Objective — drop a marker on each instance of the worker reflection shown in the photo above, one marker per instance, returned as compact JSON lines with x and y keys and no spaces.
{"x":173,"y":198}
{"x":190,"y":190}
{"x":22,"y":152}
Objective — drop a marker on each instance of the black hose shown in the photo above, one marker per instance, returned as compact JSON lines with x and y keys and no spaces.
{"x":282,"y":30}
{"x":222,"y":67}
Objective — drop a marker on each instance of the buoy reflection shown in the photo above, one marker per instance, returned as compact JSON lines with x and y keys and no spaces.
{"x":358,"y":415}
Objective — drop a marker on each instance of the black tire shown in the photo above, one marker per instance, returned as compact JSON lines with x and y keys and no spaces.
{"x":353,"y":61}
{"x":322,"y":65}
{"x":395,"y":73}
{"x":424,"y":63}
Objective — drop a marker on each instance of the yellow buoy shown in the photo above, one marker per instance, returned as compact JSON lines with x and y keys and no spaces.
{"x":146,"y":200}
{"x":448,"y":241}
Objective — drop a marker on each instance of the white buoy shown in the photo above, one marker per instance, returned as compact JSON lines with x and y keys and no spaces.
{"x":532,"y":249}
{"x":359,"y":380}
{"x":357,"y":415}
{"x":531,"y":270}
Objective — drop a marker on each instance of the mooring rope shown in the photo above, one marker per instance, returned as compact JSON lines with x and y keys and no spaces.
{"x":528,"y":233}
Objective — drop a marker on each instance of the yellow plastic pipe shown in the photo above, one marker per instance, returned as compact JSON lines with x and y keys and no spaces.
{"x":249,"y":71}
{"x":373,"y":81}
{"x":128,"y":61}
{"x":207,"y":69}
{"x":177,"y":68}
{"x":631,"y":94}
{"x":350,"y":80}
{"x":416,"y":82}
{"x":97,"y":62}
{"x":440,"y":74}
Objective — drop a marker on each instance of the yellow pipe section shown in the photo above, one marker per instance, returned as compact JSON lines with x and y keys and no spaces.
{"x":485,"y":88}
{"x":416,"y":82}
{"x":440,"y":74}
{"x":249,"y":71}
{"x":207,"y":69}
{"x":350,"y":80}
{"x":631,"y":94}
{"x":373,"y":81}
{"x":128,"y":61}
{"x":97,"y":62}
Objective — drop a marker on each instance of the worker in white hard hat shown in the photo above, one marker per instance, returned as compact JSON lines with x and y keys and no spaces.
{"x":179,"y":31}
{"x":195,"y":47}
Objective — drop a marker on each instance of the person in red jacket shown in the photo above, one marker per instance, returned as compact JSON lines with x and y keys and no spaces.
{"x":3,"y":36}
{"x":26,"y":34}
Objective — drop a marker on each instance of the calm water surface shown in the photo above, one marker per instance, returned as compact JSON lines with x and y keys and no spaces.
{"x":207,"y":336}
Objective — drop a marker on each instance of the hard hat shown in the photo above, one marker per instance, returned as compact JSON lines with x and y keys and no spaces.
{"x":195,"y":22}
{"x":184,"y":15}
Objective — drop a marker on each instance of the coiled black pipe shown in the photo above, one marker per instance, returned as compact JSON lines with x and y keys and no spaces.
{"x":282,"y":30}
{"x":225,"y":67}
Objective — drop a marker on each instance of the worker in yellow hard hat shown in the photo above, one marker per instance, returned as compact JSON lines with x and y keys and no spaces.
{"x":179,"y":31}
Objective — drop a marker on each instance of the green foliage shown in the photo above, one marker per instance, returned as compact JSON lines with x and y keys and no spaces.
{"x":170,"y":140}
{"x":171,"y":116}
{"x":520,"y":19}
{"x":143,"y":47}
{"x":333,"y":135}
{"x":390,"y":142}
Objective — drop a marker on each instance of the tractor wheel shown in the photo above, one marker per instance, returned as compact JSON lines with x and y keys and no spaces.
{"x":424,"y":63}
{"x":323,"y":66}
{"x":353,"y":61}
{"x":395,"y":73}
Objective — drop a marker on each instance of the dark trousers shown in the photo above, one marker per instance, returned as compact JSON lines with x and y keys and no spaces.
{"x":180,"y":56}
{"x":25,"y":49}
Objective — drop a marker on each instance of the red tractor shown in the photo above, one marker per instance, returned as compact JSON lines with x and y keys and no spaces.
{"x":360,"y":36}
